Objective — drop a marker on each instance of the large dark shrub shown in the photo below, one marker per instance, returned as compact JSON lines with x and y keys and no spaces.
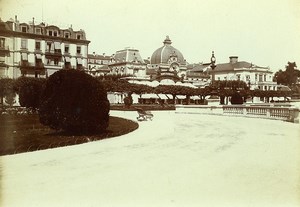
{"x":74,"y":101}
{"x":29,"y":90}
{"x":236,"y":98}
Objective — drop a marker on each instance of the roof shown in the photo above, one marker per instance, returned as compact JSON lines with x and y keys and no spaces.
{"x":197,"y":67}
{"x":99,"y":57}
{"x":128,"y":55}
{"x":4,"y":25}
{"x":236,"y":66}
{"x":104,"y":68}
{"x":162,"y":54}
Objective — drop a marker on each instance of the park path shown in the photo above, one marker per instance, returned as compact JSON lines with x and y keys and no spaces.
{"x":175,"y":160}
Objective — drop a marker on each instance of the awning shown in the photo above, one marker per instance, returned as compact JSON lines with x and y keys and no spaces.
{"x":67,"y":59}
{"x":150,"y":95}
{"x":180,"y":97}
{"x":56,"y":45}
{"x":195,"y":97}
{"x":169,"y":96}
{"x":24,"y":56}
{"x":79,"y":61}
{"x":162,"y":96}
{"x":38,"y":56}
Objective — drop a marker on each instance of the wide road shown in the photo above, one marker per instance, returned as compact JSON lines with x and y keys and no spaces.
{"x":175,"y":160}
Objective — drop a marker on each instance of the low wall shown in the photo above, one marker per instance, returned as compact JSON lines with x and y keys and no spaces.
{"x":290,"y":114}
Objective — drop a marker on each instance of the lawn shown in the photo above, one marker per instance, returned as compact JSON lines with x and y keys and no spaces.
{"x":23,"y":133}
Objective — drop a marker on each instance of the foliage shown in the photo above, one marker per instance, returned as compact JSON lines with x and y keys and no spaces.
{"x":29,"y":90}
{"x":10,"y":99}
{"x":289,"y":76}
{"x":74,"y":101}
{"x":230,"y":84}
{"x":237,"y":98}
{"x":113,"y":77}
{"x":128,"y":100}
{"x":6,"y":88}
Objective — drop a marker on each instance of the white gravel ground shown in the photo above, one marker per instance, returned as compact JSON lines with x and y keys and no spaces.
{"x":175,"y":160}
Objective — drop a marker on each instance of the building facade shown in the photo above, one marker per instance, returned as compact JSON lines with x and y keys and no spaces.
{"x":39,"y":50}
{"x":128,"y":62}
{"x":197,"y":75}
{"x":256,"y":77}
{"x":167,"y":63}
{"x":98,"y":64}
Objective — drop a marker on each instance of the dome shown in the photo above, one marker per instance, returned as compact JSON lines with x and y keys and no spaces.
{"x":163,"y":54}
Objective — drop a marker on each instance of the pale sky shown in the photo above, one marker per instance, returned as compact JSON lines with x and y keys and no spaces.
{"x":264,"y":32}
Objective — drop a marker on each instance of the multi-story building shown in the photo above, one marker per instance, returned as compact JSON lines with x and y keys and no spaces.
{"x":128,"y":62}
{"x":255,"y":76}
{"x":167,"y":62}
{"x":196,"y":74}
{"x":39,"y":50}
{"x":98,"y":64}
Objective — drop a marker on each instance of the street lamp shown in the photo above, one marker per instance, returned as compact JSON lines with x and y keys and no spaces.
{"x":213,"y":66}
{"x":214,"y":89}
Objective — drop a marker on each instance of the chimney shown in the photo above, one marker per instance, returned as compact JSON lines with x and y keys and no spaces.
{"x":103,"y":54}
{"x":16,"y":24}
{"x":233,"y":59}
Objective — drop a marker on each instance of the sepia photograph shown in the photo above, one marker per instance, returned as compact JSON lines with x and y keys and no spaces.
{"x":167,"y":103}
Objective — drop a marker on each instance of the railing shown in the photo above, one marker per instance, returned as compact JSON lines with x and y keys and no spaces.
{"x":26,"y":64}
{"x":4,"y":47}
{"x":290,"y":114}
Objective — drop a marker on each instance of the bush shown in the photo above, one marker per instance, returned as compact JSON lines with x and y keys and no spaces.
{"x":6,"y":89}
{"x":29,"y":90}
{"x":236,"y":98}
{"x":74,"y":101}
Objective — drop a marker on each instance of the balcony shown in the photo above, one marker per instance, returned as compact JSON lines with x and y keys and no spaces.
{"x":32,"y":68}
{"x":67,"y":54}
{"x":38,"y":51}
{"x":53,"y":53}
{"x":4,"y":51}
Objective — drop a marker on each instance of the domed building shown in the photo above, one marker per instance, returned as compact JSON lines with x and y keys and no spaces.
{"x":167,"y":62}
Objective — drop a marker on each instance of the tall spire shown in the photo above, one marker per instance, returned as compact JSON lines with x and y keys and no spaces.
{"x":167,"y":41}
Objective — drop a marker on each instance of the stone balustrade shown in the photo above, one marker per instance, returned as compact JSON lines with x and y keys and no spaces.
{"x":284,"y":113}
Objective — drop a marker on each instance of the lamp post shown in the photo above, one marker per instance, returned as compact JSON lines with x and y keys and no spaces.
{"x":214,"y":89}
{"x":213,"y":66}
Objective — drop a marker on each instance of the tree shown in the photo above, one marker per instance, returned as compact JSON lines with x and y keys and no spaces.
{"x":74,"y":101}
{"x":6,"y":89}
{"x":29,"y":90}
{"x":128,"y":100}
{"x":236,"y":98}
{"x":291,"y":73}
{"x":289,"y":76}
{"x":281,"y":77}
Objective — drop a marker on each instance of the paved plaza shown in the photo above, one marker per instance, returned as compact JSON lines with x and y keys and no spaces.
{"x":174,"y":160}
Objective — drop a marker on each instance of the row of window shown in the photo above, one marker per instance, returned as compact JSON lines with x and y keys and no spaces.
{"x":54,"y":61}
{"x":260,"y":77}
{"x":98,"y":61}
{"x":54,"y":33}
{"x":267,"y":88}
{"x":50,"y":46}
